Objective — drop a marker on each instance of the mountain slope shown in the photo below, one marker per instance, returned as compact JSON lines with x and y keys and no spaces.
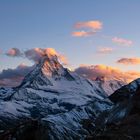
{"x":122,"y":120}
{"x":58,"y":98}
{"x":110,"y":84}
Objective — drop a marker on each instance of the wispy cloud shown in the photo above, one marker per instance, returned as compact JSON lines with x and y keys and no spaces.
{"x":82,"y":33}
{"x":88,"y":28}
{"x":129,"y":61}
{"x":122,"y":41}
{"x":14,"y":52}
{"x":105,"y":50}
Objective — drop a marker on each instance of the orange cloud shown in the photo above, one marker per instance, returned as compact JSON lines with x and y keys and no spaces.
{"x":90,"y":28}
{"x":129,"y":61}
{"x":94,"y":71}
{"x":105,"y":50}
{"x":37,"y":53}
{"x":121,"y":41}
{"x":82,"y":33}
{"x":95,"y":25}
{"x":63,"y":59}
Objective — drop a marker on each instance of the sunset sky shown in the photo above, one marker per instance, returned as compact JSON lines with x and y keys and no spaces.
{"x":87,"y":32}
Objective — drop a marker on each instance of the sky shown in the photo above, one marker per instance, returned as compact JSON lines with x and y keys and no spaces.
{"x":86,"y":32}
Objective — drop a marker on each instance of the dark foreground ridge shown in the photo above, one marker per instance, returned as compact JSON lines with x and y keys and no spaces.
{"x":127,"y":127}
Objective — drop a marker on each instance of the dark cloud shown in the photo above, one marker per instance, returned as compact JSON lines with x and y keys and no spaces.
{"x":13,"y":77}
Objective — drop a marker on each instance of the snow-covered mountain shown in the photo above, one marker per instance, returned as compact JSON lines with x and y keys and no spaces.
{"x":60,"y":99}
{"x":110,"y":84}
{"x":122,"y":121}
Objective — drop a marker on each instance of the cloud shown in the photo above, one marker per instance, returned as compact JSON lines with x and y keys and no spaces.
{"x":129,"y":61}
{"x":37,"y":53}
{"x":94,"y":25}
{"x":94,"y":71}
{"x":90,"y":28}
{"x":14,"y":52}
{"x":121,"y":41}
{"x":82,"y":33}
{"x":105,"y":50}
{"x":13,"y":77}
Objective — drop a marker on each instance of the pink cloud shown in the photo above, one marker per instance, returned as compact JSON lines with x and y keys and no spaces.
{"x":82,"y":33}
{"x":129,"y":61}
{"x":121,"y":41}
{"x":90,"y":28}
{"x":14,"y":52}
{"x":95,"y":25}
{"x":105,"y":50}
{"x":37,"y":53}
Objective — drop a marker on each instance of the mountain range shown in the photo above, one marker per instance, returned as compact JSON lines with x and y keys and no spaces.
{"x":55,"y":103}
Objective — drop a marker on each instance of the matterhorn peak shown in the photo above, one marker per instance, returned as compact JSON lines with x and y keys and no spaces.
{"x":51,"y":66}
{"x":47,"y":70}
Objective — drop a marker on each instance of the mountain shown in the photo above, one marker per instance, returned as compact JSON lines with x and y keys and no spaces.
{"x":110,"y":84}
{"x":125,"y":92}
{"x":60,"y":101}
{"x":122,"y":121}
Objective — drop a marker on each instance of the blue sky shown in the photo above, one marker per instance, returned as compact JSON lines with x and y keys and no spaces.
{"x":49,"y":23}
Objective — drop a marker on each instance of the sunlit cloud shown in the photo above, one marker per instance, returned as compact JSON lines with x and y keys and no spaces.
{"x":63,"y":59}
{"x":94,"y":71}
{"x":88,"y":28}
{"x":13,"y":77}
{"x":14,"y":52}
{"x":105,"y":50}
{"x":122,"y":41}
{"x":82,"y":33}
{"x":129,"y":61}
{"x":37,"y":53}
{"x":94,"y":25}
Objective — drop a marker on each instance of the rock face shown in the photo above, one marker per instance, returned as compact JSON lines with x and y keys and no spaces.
{"x":122,"y":121}
{"x":60,"y":100}
{"x":125,"y":92}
